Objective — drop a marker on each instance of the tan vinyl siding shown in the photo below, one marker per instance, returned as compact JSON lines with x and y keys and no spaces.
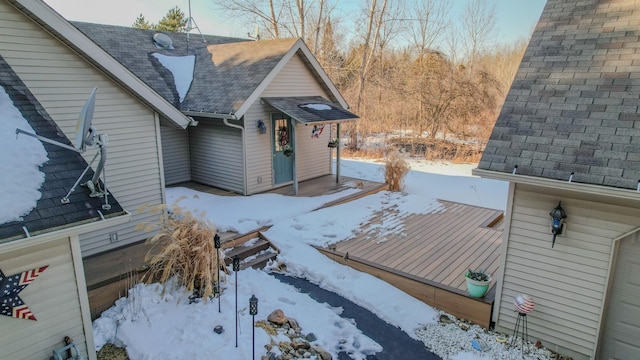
{"x":568,"y":282}
{"x":216,"y":155}
{"x":52,"y":297}
{"x":175,"y":155}
{"x":259,"y":149}
{"x":294,"y":79}
{"x":61,"y":81}
{"x":313,"y":157}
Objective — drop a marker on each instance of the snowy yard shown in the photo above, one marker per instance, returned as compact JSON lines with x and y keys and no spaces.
{"x":153,"y":324}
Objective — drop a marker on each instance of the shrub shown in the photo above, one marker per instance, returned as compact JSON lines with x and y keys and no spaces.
{"x":184,"y":249}
{"x":396,"y":168}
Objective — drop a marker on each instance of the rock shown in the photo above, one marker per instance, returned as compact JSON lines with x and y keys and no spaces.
{"x":445,"y":319}
{"x":291,"y":333}
{"x":311,"y":337}
{"x":277,"y":317}
{"x":322,"y":354}
{"x":464,"y":326}
{"x":299,"y":343}
{"x":306,"y":355}
{"x":218,"y":329}
{"x":293,"y":323}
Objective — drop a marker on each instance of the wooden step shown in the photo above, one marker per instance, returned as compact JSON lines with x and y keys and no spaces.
{"x":259,"y":261}
{"x":246,"y":250}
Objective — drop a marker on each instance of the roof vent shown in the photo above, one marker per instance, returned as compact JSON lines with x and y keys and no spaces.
{"x":162,"y":41}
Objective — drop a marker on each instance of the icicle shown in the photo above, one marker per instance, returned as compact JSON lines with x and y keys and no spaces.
{"x":571,"y":177}
{"x":26,"y":231}
{"x":638,"y":188}
{"x":515,"y":168}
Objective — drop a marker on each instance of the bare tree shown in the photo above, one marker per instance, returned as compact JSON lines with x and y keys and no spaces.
{"x":478,"y":28}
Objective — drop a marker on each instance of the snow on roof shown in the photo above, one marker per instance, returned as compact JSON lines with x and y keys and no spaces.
{"x":182,"y":69}
{"x":20,"y":161}
{"x":317,"y":106}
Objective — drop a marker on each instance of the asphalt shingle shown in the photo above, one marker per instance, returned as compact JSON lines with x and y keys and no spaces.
{"x":577,"y":87}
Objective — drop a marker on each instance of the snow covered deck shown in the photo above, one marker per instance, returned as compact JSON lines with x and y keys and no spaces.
{"x":428,"y":258}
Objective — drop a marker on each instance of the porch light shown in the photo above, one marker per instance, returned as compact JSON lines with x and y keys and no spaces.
{"x":262,"y":128}
{"x":557,"y":215}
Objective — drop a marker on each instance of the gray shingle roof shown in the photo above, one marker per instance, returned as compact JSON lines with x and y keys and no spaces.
{"x":573,"y":106}
{"x":61,"y":171}
{"x":227,"y":70}
{"x":310,"y":109}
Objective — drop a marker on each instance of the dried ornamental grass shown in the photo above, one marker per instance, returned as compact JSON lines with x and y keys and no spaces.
{"x":396,"y":168}
{"x":184,"y":249}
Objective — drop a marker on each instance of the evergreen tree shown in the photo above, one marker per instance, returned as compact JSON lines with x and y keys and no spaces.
{"x":141,"y":23}
{"x":174,"y":21}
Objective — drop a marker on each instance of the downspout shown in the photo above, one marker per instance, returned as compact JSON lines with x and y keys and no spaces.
{"x":244,"y":154}
{"x":156,"y":120}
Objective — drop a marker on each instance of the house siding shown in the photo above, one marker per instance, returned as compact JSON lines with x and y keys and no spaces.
{"x":175,"y":155}
{"x":313,"y":158}
{"x":53,"y":298}
{"x":568,"y":282}
{"x":216,"y":155}
{"x":61,"y":81}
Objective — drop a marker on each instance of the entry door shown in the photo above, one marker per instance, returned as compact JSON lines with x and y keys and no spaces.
{"x":282,"y":141}
{"x":622,"y":324}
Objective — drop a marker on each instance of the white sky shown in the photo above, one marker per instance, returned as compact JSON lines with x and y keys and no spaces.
{"x":20,"y":161}
{"x":295,"y":228}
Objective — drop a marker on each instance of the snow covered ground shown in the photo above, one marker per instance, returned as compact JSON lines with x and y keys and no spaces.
{"x":153,"y":324}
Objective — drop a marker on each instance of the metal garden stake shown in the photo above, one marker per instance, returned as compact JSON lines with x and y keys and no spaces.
{"x":216,"y":244}
{"x":236,"y":268}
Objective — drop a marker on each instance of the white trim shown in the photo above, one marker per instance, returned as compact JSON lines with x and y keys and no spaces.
{"x":602,"y":190}
{"x":62,"y":29}
{"x":83,"y":296}
{"x":75,"y":230}
{"x":298,"y":45}
{"x":156,"y":121}
{"x":506,"y":232}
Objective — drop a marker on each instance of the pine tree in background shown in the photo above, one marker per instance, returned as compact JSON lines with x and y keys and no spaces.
{"x":174,"y":21}
{"x":141,"y":23}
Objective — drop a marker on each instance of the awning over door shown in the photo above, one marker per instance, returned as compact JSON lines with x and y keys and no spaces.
{"x":311,"y":109}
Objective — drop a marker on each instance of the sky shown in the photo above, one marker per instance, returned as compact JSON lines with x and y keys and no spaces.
{"x":147,"y":317}
{"x":515,"y":18}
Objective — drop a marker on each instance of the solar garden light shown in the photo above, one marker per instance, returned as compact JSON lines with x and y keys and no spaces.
{"x":216,"y":244}
{"x":253,"y":311}
{"x":557,"y":223}
{"x":236,"y":268}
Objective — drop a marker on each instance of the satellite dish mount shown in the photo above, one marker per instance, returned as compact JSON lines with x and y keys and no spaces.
{"x":86,"y":136}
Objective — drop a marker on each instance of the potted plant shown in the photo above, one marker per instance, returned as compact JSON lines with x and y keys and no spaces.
{"x":477,"y":282}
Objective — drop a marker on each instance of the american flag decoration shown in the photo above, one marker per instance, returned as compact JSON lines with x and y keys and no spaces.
{"x":10,"y":286}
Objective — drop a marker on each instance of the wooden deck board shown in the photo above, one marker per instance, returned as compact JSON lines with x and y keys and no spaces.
{"x":429,"y":243}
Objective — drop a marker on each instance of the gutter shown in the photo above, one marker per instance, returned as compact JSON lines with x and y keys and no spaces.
{"x":601,"y":190}
{"x":225,"y":119}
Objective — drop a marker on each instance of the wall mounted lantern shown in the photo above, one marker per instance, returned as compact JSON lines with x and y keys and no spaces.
{"x":557,"y":221}
{"x":262,"y":128}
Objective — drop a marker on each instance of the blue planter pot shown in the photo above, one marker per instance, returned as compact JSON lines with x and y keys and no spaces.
{"x":477,"y":289}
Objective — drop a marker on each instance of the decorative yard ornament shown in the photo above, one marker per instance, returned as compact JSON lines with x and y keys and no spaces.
{"x":523,"y":304}
{"x":557,"y":215}
{"x":10,"y":286}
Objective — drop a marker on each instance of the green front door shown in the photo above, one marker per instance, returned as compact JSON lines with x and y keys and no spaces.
{"x":282,"y":148}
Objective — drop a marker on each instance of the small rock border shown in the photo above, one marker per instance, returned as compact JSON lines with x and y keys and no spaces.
{"x":299,"y":345}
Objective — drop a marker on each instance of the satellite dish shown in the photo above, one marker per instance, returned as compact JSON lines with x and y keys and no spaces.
{"x":86,"y":135}
{"x":162,"y":41}
{"x":83,"y":126}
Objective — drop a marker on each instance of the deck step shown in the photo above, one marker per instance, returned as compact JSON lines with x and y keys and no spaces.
{"x":245,"y":250}
{"x":259,"y":261}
